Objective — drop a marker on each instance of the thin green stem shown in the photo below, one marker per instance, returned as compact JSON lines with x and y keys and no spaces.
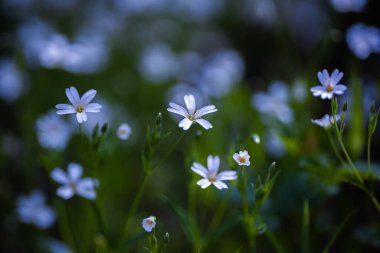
{"x":99,"y":217}
{"x":334,"y":147}
{"x":169,"y":152}
{"x":369,"y":152}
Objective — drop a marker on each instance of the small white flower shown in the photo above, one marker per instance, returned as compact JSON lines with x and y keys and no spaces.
{"x":72,"y":183}
{"x":79,"y":105}
{"x":52,"y":131}
{"x":329,"y":84}
{"x":32,"y":210}
{"x":210,"y":175}
{"x":190,"y":114}
{"x":149,"y":223}
{"x":242,"y":158}
{"x":256,"y":138}
{"x":326,"y":121}
{"x":124,"y":131}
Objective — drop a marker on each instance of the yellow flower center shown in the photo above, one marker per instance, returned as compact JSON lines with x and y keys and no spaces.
{"x":80,"y":109}
{"x":241,"y":159}
{"x":329,"y":88}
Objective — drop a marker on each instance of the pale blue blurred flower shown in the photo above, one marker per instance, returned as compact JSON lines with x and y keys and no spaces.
{"x":142,"y":7}
{"x":326,"y":121}
{"x":263,"y":12}
{"x":274,"y":144}
{"x":33,"y":210}
{"x":274,"y":103}
{"x":210,"y":174}
{"x":348,"y":5}
{"x":73,"y":183}
{"x":363,"y":40}
{"x":197,"y":10}
{"x":329,"y":84}
{"x":52,"y":131}
{"x":124,"y":131}
{"x":11,"y":80}
{"x":221,"y":72}
{"x":158,"y":64}
{"x":54,"y":246}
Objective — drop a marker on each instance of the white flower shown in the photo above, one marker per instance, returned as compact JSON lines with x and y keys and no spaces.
{"x":210,"y":175}
{"x":124,"y":131}
{"x":52,"y":131}
{"x":191,"y":114}
{"x":149,"y":223}
{"x":326,"y":121}
{"x":73,"y":183}
{"x":329,"y":84}
{"x":32,"y":210}
{"x":79,"y":105}
{"x":242,"y":158}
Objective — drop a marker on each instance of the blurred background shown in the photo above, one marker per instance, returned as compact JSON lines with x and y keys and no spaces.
{"x":254,"y":59}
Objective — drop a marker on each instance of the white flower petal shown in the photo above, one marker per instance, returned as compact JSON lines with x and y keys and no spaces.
{"x":185,"y":123}
{"x":79,"y":117}
{"x":322,"y":78}
{"x":59,"y":176}
{"x":204,"y":123}
{"x":205,"y":110}
{"x":199,"y":169}
{"x":84,"y":116}
{"x":190,"y":103}
{"x":220,"y":185}
{"x":93,"y":107}
{"x":227,"y":175}
{"x":62,"y":112}
{"x":177,"y":109}
{"x":204,"y":183}
{"x":64,"y":107}
{"x":86,"y":188}
{"x":88,"y":96}
{"x":65,"y":192}
{"x":75,"y":171}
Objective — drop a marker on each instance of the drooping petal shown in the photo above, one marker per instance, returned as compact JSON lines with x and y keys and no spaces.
{"x":204,"y":183}
{"x":190,"y":103}
{"x":65,"y":192}
{"x":204,"y":123}
{"x":59,"y":176}
{"x":185,"y":123}
{"x":199,"y":169}
{"x":79,"y":117}
{"x":227,"y":175}
{"x":93,"y":107}
{"x":88,"y":96}
{"x":177,"y":109}
{"x":75,"y":171}
{"x":220,"y":185}
{"x":205,"y":110}
{"x":86,"y":188}
{"x":84,"y":116}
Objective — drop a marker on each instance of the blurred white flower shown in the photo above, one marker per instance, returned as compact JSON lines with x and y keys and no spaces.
{"x":52,"y":131}
{"x":11,"y":83}
{"x":326,"y":121}
{"x":256,"y":138}
{"x":274,"y":102}
{"x":124,"y":131}
{"x":329,"y":84}
{"x":33,"y":210}
{"x":158,"y":64}
{"x":72,"y":183}
{"x":211,"y":175}
{"x":348,"y":5}
{"x":274,"y":144}
{"x":191,"y":114}
{"x":80,"y":105}
{"x":149,"y":223}
{"x":242,"y":158}
{"x":363,"y":40}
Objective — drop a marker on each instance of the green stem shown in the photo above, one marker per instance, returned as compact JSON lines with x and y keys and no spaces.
{"x":374,"y":201}
{"x":72,"y":229}
{"x":369,"y":152}
{"x":170,"y":151}
{"x":80,"y":134}
{"x":99,"y":217}
{"x":334,"y":147}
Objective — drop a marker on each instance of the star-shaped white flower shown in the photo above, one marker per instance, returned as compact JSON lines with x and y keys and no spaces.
{"x":79,"y":105}
{"x":211,"y":175}
{"x":72,"y":183}
{"x":242,"y":158}
{"x":191,"y":114}
{"x":149,"y":223}
{"x":326,"y":121}
{"x":329,"y":84}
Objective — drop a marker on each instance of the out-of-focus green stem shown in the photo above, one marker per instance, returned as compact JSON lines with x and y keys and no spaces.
{"x":99,"y":217}
{"x":369,"y":152}
{"x":334,"y":147}
{"x":169,"y":152}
